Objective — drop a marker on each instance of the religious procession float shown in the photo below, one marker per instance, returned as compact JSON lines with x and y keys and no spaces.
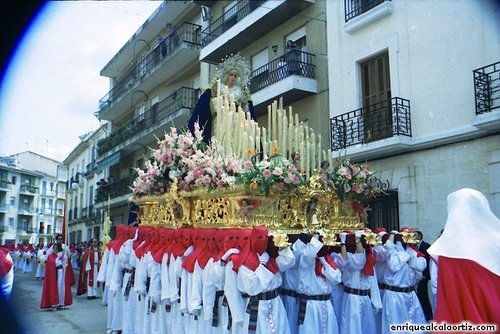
{"x":249,"y":175}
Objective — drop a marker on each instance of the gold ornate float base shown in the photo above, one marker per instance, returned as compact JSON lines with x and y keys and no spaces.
{"x":309,"y":207}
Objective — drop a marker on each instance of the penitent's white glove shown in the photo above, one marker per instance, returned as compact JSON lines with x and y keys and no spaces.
{"x":343,"y":237}
{"x":230,"y":252}
{"x":323,"y":261}
{"x":263,"y":258}
{"x":359,"y":234}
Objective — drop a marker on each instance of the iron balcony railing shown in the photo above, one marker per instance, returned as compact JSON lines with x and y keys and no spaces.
{"x":186,"y":33}
{"x":28,"y":188}
{"x":353,"y":8}
{"x":292,"y":63}
{"x":5,"y":184}
{"x":26,"y":209}
{"x":230,"y":17}
{"x":182,"y":98}
{"x":88,"y":212}
{"x":487,"y":88}
{"x":114,"y":189}
{"x":371,"y":123}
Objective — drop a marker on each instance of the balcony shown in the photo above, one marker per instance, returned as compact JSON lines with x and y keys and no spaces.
{"x":175,"y":108}
{"x":291,"y":76}
{"x":61,"y":194}
{"x":88,"y":213}
{"x":359,"y":14}
{"x":25,"y":210}
{"x":487,"y":94}
{"x":354,"y":8}
{"x":28,"y":189}
{"x":90,"y":169}
{"x":165,"y":63}
{"x":5,"y":185}
{"x":115,"y":189}
{"x":386,"y":119}
{"x":242,"y":23}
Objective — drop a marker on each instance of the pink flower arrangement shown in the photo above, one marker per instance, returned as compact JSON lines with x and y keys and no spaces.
{"x":274,"y":172}
{"x":355,"y":181}
{"x":191,"y":161}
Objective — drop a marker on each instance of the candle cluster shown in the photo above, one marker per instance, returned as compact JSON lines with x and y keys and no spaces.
{"x":235,"y":129}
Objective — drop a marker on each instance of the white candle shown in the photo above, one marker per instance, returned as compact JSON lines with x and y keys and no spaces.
{"x":308,"y":157}
{"x":290,"y":136}
{"x":269,"y":117}
{"x":296,"y":139}
{"x":319,"y":156}
{"x":302,"y":156}
{"x":240,"y":142}
{"x":264,"y":141}
{"x":313,"y":152}
{"x":251,"y":143}
{"x":245,"y":144}
{"x":252,"y":137}
{"x":283,"y":135}
{"x":257,"y":142}
{"x":273,"y":125}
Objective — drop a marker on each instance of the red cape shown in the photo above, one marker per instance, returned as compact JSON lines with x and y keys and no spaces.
{"x":466,"y":292}
{"x":82,"y":277}
{"x":50,"y":292}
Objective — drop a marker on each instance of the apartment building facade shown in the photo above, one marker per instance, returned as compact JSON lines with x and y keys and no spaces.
{"x":415,"y":91}
{"x":32,"y":198}
{"x":84,"y":220}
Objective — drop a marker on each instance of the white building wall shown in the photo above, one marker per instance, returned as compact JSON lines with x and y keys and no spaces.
{"x":433,"y":48}
{"x":424,"y":179}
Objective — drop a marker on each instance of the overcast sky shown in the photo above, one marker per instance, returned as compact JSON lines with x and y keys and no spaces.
{"x":52,"y":86}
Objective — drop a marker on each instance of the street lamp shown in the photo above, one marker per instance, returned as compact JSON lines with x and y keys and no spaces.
{"x":75,"y":182}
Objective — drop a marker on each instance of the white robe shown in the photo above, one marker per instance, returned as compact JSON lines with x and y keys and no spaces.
{"x":235,"y":300}
{"x":290,"y":279}
{"x":381,"y":254}
{"x":141,"y":275}
{"x":104,"y":275}
{"x":213,"y":281}
{"x":401,"y":307}
{"x":357,"y":314}
{"x":320,"y":316}
{"x":114,"y":295}
{"x":271,"y":314}
{"x":41,"y":260}
{"x":177,"y":320}
{"x":125,"y":255}
{"x":164,"y":296}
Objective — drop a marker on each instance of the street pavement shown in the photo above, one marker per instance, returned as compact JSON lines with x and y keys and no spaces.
{"x":84,"y":316}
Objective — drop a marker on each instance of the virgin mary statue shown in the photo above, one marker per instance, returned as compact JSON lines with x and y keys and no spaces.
{"x":233,"y":75}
